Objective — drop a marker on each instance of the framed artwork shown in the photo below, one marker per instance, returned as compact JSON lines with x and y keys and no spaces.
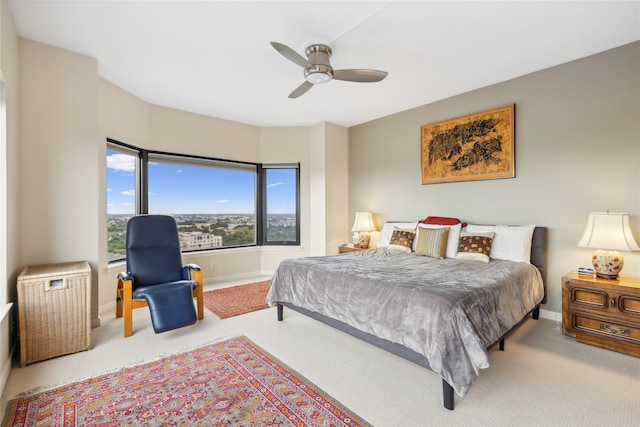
{"x":468,"y":148}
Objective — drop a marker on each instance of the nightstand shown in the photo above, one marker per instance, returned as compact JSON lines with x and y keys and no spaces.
{"x":601,"y":312}
{"x":349,"y":248}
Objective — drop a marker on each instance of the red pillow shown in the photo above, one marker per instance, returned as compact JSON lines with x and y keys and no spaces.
{"x":442,"y":220}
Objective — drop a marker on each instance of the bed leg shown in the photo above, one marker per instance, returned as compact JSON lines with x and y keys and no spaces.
{"x":536,"y":312}
{"x":502,"y":344}
{"x":280,"y":312}
{"x":447,"y":394}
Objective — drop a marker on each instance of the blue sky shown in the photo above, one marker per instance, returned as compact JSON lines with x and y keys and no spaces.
{"x":183,"y":189}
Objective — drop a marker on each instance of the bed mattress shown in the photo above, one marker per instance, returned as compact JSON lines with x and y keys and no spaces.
{"x":448,"y":310}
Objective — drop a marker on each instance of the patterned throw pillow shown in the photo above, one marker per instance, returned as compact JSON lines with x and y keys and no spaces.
{"x":401,"y":240}
{"x":476,"y":246}
{"x":432,"y":242}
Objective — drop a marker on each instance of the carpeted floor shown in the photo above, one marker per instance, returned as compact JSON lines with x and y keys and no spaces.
{"x":235,"y":300}
{"x":232,"y":382}
{"x":542,"y":378}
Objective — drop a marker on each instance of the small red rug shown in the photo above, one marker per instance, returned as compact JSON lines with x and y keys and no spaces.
{"x":229,"y":383}
{"x":235,"y":300}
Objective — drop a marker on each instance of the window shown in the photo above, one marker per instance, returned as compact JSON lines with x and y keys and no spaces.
{"x":215,"y":202}
{"x":122,"y":178}
{"x":281,"y":205}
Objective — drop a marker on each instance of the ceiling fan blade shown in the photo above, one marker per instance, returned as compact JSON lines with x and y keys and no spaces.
{"x":290,"y":54}
{"x":362,"y":76}
{"x":301,"y":90}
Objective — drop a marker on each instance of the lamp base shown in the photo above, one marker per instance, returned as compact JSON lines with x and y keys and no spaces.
{"x":607,"y":264}
{"x":355,"y":238}
{"x":363,"y":240}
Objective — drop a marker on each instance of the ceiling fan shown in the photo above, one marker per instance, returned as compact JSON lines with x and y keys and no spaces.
{"x":318,"y":69}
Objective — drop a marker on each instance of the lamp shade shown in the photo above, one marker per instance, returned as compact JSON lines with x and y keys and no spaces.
{"x":363,"y":222}
{"x":610,"y":231}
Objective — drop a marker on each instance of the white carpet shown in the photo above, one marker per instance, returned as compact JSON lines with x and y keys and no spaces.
{"x":543,"y":378}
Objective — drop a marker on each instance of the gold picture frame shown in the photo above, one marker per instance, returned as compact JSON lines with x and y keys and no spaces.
{"x":468,"y":148}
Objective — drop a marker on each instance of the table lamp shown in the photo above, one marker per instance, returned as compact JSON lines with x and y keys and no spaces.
{"x":608,"y":233}
{"x":363,"y":225}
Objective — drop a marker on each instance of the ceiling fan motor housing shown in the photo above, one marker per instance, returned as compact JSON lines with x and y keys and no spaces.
{"x":319,"y":69}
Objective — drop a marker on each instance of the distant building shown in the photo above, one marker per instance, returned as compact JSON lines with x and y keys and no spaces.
{"x":199,"y":240}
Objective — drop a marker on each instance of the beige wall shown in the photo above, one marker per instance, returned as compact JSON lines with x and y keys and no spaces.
{"x":337,"y":184}
{"x":9,"y":68}
{"x":577,"y":150}
{"x":328,"y":187}
{"x":187,"y":133}
{"x":58,"y":157}
{"x":318,"y":188}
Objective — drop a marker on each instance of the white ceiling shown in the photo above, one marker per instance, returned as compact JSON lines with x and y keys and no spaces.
{"x":214,"y":57}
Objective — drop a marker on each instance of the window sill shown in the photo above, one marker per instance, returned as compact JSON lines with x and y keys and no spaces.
{"x":282,"y":248}
{"x":122,"y":265}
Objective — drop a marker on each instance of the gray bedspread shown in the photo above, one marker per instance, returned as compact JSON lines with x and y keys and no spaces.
{"x":448,"y":310}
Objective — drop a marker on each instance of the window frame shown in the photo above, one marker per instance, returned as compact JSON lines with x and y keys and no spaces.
{"x":263,"y":191}
{"x":4,"y":211}
{"x":144,"y":156}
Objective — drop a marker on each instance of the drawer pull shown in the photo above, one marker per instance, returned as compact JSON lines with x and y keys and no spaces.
{"x":613,"y":302}
{"x":614,"y":330}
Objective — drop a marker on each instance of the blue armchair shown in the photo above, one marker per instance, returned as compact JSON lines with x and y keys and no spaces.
{"x":156,"y":278}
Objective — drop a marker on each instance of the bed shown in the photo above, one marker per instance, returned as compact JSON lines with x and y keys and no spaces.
{"x":442,"y":312}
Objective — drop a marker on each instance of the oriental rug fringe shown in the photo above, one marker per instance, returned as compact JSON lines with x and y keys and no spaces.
{"x":228,"y":383}
{"x":235,"y":300}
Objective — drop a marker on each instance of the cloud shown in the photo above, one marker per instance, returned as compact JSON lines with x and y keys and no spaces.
{"x":275,"y":184}
{"x":222,"y":201}
{"x":129,"y":193}
{"x":178,"y":170}
{"x":125,"y":204}
{"x":121,"y":162}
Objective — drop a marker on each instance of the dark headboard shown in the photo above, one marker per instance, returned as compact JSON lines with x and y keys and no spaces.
{"x":539,"y":254}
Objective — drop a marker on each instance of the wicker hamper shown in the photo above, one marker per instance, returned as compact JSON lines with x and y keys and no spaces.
{"x":54,"y":313}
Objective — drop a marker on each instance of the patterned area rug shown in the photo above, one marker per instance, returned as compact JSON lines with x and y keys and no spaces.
{"x":229,"y":383}
{"x":235,"y":300}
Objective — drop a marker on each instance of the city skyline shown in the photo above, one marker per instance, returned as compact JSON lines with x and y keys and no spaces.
{"x":207,"y":231}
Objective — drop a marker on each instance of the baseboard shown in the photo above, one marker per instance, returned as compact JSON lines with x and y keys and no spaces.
{"x":551,"y":315}
{"x":8,"y":364}
{"x":231,"y":277}
{"x":108,"y":308}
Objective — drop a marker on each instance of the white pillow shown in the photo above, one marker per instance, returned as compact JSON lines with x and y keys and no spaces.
{"x":387,"y":230}
{"x":510,"y":243}
{"x":452,"y":240}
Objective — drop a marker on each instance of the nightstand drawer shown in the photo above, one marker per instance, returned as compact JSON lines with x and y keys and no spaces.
{"x":595,"y":299}
{"x":589,"y":297}
{"x":630,"y":304}
{"x":602,"y":326}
